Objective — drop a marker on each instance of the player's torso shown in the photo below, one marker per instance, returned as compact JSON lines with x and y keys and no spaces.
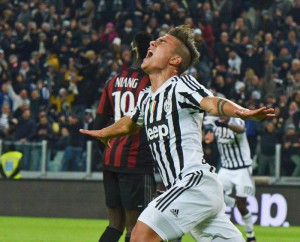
{"x":233,"y":148}
{"x":128,"y":153}
{"x":173,"y":132}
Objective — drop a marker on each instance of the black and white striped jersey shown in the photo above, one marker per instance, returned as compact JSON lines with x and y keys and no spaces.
{"x":173,"y":121}
{"x":233,"y":147}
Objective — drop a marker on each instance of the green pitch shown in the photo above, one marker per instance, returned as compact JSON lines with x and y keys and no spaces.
{"x":20,"y":229}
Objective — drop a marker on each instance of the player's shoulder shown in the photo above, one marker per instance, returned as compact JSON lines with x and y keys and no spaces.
{"x":189,"y":82}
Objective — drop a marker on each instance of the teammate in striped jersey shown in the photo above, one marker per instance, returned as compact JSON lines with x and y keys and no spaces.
{"x":128,"y":166}
{"x":171,"y":111}
{"x":236,"y":165}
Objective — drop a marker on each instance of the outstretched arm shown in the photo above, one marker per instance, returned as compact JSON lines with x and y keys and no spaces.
{"x":123,"y":127}
{"x":223,"y":107}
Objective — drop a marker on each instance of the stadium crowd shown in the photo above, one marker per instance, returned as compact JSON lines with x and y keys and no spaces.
{"x":56,"y":55}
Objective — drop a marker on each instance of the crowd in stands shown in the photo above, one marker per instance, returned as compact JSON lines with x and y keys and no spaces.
{"x":56,"y":55}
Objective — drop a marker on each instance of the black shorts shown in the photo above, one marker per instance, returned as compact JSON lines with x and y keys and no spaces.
{"x":130,"y":191}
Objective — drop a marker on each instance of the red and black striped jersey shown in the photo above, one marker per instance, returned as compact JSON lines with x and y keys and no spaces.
{"x":119,"y":97}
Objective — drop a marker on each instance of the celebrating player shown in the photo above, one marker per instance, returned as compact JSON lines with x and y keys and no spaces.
{"x":171,"y":111}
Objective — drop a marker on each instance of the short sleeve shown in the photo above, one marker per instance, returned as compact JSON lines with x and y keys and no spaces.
{"x":105,"y":106}
{"x":191,"y":91}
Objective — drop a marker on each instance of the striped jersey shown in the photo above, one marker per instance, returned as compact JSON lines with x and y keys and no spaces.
{"x":173,"y":119}
{"x":119,"y":97}
{"x":233,"y":147}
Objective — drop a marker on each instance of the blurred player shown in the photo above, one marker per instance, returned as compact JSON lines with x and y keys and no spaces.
{"x":171,"y":111}
{"x":128,"y":165}
{"x":236,"y":166}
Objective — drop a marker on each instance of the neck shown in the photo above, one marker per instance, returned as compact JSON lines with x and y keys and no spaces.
{"x":159,"y":78}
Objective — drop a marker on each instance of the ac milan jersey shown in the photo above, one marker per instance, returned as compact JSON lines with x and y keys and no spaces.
{"x":128,"y":153}
{"x":173,"y":119}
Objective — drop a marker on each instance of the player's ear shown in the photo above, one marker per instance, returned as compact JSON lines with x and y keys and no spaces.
{"x":175,"y":60}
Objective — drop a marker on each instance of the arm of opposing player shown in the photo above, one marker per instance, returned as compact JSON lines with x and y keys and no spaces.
{"x":223,"y":107}
{"x":123,"y":127}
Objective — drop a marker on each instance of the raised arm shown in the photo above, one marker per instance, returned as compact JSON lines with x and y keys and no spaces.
{"x":123,"y":127}
{"x":223,"y":107}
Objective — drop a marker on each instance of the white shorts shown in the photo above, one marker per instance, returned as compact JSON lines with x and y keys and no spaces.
{"x":239,"y":180}
{"x":194,"y":204}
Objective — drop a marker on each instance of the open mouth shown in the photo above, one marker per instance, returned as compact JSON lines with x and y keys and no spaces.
{"x":149,"y":54}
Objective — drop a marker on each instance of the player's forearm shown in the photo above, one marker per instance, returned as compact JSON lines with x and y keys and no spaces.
{"x":123,"y":127}
{"x":220,"y":106}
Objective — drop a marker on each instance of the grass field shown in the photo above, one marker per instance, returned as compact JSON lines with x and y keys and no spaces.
{"x":19,"y":229}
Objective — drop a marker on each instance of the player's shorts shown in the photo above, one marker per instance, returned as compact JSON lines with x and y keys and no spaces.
{"x":127,"y":190}
{"x":195,"y":203}
{"x":238,"y":181}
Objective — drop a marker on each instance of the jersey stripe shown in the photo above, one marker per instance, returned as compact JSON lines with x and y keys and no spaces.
{"x":177,"y":131}
{"x":176,"y":191}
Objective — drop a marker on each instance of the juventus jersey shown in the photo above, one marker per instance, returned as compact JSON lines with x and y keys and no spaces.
{"x":173,"y":119}
{"x":130,"y":154}
{"x":233,"y":147}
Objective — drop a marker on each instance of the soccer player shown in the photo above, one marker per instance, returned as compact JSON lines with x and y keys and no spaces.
{"x":128,"y":165}
{"x":236,"y":165}
{"x":171,"y":111}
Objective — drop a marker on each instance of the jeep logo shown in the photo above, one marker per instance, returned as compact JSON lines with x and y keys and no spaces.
{"x":157,"y":131}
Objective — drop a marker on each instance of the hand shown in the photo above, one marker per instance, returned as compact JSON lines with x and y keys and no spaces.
{"x":256,"y":114}
{"x":96,"y":134}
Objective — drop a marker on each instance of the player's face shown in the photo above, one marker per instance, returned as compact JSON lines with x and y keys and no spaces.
{"x":159,"y":54}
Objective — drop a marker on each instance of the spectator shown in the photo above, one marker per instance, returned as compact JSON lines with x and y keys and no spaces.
{"x":266,"y":155}
{"x":204,"y":59}
{"x":234,"y":62}
{"x":222,"y":49}
{"x":87,"y":11}
{"x":24,"y":131}
{"x":4,"y":96}
{"x":252,"y":60}
{"x":72,"y":159}
{"x":20,"y":83}
{"x":44,"y":130}
{"x":63,"y":101}
{"x":96,"y":45}
{"x":18,"y":99}
{"x":5,"y":121}
{"x":58,"y":149}
{"x":291,"y":156}
{"x":35,"y":103}
{"x":127,"y":33}
{"x":108,"y":34}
